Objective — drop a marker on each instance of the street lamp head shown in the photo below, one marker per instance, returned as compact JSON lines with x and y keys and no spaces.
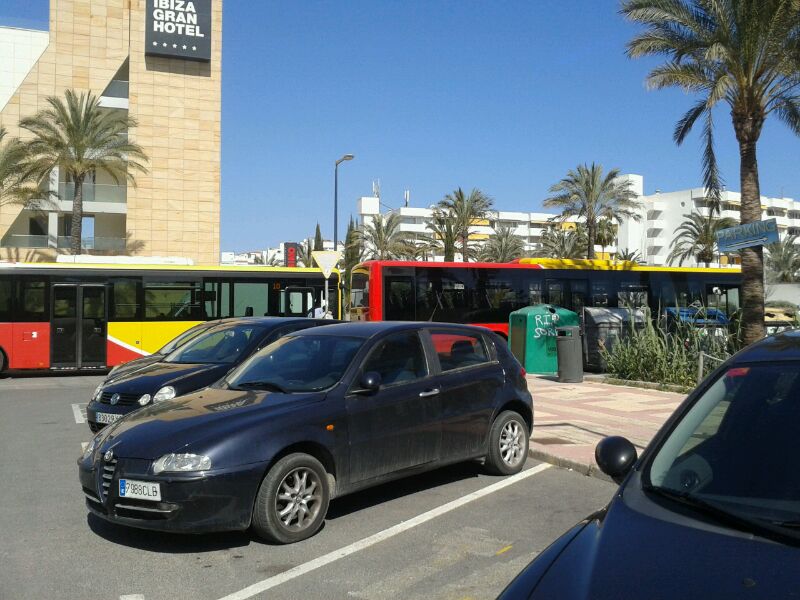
{"x":344,"y":158}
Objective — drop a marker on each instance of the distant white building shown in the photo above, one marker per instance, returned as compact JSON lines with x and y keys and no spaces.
{"x":661,"y":214}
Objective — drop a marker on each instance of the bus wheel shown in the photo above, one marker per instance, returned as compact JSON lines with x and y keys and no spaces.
{"x":3,"y":361}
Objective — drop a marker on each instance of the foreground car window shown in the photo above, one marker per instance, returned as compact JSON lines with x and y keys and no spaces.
{"x":297,"y":364}
{"x":399,"y":359}
{"x":458,"y":350}
{"x":219,"y":345}
{"x":732,"y":450}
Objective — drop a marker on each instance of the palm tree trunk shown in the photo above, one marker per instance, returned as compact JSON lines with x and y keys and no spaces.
{"x":591,"y":235}
{"x":752,"y":258}
{"x":77,"y":217}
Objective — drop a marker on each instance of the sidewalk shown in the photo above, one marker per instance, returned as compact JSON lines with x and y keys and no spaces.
{"x":570,"y":418}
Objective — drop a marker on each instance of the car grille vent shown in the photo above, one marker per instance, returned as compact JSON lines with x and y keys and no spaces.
{"x":108,"y":474}
{"x":124,"y":399}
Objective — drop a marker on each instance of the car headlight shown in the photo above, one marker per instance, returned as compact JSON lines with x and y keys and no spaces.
{"x":165,"y":393}
{"x":96,"y":393}
{"x":144,"y":400}
{"x":92,"y":446}
{"x":181,"y":463}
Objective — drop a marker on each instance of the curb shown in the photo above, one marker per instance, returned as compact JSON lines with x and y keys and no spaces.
{"x":568,"y":463}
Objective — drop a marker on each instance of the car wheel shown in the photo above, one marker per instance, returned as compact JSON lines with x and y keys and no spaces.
{"x":292,"y":500}
{"x":508,"y":444}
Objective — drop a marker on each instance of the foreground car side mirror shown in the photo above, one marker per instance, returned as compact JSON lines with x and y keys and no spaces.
{"x":369,"y":383}
{"x":615,"y":455}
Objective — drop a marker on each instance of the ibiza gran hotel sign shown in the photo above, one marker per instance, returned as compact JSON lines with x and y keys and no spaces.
{"x":178,"y":29}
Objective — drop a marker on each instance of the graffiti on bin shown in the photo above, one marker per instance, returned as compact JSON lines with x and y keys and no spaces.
{"x":545,"y":325}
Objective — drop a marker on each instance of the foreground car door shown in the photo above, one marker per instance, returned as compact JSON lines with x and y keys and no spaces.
{"x":471,"y":381}
{"x":396,"y":427}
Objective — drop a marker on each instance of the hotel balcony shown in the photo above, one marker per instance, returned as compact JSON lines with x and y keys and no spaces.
{"x":94,"y":192}
{"x":43,"y":241}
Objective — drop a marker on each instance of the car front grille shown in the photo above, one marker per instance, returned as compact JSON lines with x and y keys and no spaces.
{"x":108,"y":474}
{"x":124,"y":399}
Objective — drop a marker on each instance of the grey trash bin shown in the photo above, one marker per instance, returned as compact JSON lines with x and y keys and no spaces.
{"x":570,"y":354}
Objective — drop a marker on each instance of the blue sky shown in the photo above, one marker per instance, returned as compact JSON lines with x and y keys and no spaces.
{"x":432,"y":95}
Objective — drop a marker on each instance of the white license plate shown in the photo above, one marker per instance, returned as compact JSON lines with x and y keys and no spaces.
{"x":107,"y":417}
{"x":139,"y":490}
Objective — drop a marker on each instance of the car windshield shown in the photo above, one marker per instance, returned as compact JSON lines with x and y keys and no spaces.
{"x":732,"y":450}
{"x":303,"y":363}
{"x":224,"y":344}
{"x":186,"y":336}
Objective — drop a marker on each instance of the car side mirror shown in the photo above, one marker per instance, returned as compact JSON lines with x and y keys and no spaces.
{"x":615,"y":455}
{"x":369,"y":383}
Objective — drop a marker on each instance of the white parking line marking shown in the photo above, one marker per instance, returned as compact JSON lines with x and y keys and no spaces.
{"x":79,"y":412}
{"x":132,"y":597}
{"x":326,"y":559}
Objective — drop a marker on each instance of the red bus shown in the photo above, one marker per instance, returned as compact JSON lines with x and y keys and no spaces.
{"x":70,"y":316}
{"x":486,"y":293}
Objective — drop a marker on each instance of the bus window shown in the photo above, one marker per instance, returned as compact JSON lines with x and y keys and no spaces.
{"x":250,"y":299}
{"x":359,"y":290}
{"x":173,"y":301}
{"x":632,"y":295}
{"x":724,"y":298}
{"x":400,"y":299}
{"x":124,"y":300}
{"x":32,"y":302}
{"x":578,"y":292}
{"x":534,"y":293}
{"x":6,"y":294}
{"x":555,"y":293}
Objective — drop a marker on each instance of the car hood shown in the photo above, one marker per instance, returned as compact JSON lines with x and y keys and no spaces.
{"x":195,"y":420}
{"x":639,"y":549}
{"x":183,"y":377}
{"x":131,"y":366}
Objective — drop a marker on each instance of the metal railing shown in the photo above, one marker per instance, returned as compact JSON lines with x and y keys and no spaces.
{"x":94,"y":243}
{"x":701,"y":365}
{"x":95,"y":192}
{"x":17,"y":240}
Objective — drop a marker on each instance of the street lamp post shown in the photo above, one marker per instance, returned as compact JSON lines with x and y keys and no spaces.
{"x":336,"y":199}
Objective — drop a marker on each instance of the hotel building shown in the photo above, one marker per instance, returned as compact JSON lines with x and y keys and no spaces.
{"x":158,"y":60}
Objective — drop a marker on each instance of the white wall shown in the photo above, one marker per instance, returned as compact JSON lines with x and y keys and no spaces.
{"x":19,"y":51}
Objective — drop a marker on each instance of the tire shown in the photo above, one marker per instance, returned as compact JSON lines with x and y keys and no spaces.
{"x":508,"y":444}
{"x":279,"y":492}
{"x":2,"y":360}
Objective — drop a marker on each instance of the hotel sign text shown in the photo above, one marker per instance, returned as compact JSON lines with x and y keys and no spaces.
{"x":178,"y":29}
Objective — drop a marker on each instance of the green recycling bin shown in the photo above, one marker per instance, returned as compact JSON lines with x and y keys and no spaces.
{"x":532,"y":335}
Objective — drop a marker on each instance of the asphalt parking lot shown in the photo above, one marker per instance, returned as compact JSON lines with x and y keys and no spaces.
{"x":453,"y":533}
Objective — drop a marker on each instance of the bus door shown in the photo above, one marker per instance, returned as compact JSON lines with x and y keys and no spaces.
{"x":297,"y":301}
{"x":78,"y":327}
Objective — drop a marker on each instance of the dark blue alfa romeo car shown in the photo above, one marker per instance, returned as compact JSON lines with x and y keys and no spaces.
{"x":317,"y":414}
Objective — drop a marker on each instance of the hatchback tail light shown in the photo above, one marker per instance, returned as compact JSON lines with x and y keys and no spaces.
{"x":522,"y":372}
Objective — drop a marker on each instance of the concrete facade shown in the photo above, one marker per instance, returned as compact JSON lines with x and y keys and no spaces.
{"x":98,"y":46}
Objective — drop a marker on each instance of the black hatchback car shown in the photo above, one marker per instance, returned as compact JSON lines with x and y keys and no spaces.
{"x":712,"y":508}
{"x":317,"y":414}
{"x":192,"y":365}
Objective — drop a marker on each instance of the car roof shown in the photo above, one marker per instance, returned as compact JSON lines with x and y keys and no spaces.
{"x":367,"y":329}
{"x":781,"y":346}
{"x":267,"y":321}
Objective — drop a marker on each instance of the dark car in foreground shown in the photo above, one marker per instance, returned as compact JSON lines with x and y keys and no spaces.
{"x":200,"y":361}
{"x":712,"y":508}
{"x":320,"y":413}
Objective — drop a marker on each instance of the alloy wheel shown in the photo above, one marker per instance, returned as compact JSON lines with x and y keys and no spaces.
{"x":299,"y":499}
{"x":512,"y":444}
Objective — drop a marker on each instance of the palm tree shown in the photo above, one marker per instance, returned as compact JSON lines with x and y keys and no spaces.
{"x":697,"y":238}
{"x":17,"y":185}
{"x":562,"y":243}
{"x":80,"y":138}
{"x":606,"y":233}
{"x":743,"y":53}
{"x":629,"y":255}
{"x":503,"y":246}
{"x":304,"y":251}
{"x":586,"y":192}
{"x":783,"y":261}
{"x":382,"y":239}
{"x":443,"y":234}
{"x":467,"y":211}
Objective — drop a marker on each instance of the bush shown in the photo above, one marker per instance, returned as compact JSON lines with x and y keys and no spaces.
{"x":667,"y":355}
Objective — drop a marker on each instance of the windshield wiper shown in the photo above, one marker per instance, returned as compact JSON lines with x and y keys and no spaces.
{"x":754,"y":526}
{"x":262,"y":385}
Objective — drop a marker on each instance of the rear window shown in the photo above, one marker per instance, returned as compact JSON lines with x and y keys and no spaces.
{"x":459,"y":350}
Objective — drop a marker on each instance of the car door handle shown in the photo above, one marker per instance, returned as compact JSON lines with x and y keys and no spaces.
{"x":427,"y":393}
